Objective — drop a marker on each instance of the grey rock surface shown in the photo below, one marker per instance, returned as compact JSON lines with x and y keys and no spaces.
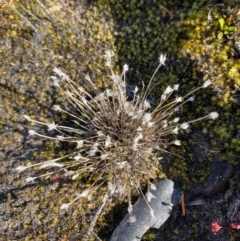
{"x":133,"y":226}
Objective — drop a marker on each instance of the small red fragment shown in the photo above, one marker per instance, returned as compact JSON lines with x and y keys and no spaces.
{"x":59,"y":178}
{"x":215,"y":227}
{"x":235,"y":225}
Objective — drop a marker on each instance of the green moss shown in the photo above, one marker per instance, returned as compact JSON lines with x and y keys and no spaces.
{"x":149,"y":236}
{"x":236,"y":144}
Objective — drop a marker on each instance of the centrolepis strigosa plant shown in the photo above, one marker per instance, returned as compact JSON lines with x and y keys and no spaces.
{"x":117,"y":138}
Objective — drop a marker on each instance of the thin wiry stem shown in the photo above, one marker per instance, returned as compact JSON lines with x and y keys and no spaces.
{"x":149,"y":84}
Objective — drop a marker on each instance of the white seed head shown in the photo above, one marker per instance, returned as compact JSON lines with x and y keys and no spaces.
{"x":184,"y":125}
{"x":162,"y":59}
{"x":121,"y":165}
{"x":27,"y":117}
{"x":111,"y":188}
{"x":213,"y":115}
{"x":60,"y":138}
{"x":163,"y":97}
{"x":69,"y":94}
{"x":32,"y":132}
{"x":135,"y":90}
{"x":130,"y":208}
{"x":78,"y":157}
{"x":153,"y":186}
{"x":138,"y":114}
{"x":103,"y":156}
{"x":55,"y":81}
{"x":206,"y":84}
{"x":164,"y":124}
{"x":146,"y":105}
{"x":74,"y":177}
{"x":176,"y":119}
{"x":92,"y":152}
{"x":175,"y":130}
{"x":108,"y":142}
{"x":177,"y":142}
{"x":191,"y":98}
{"x":83,"y":194}
{"x":108,"y":55}
{"x":65,"y":206}
{"x":89,"y":197}
{"x":139,"y":128}
{"x":179,"y":99}
{"x":146,"y":118}
{"x":175,"y":87}
{"x":30,"y":179}
{"x":52,"y":126}
{"x":84,"y":101}
{"x":20,"y":168}
{"x":87,"y":77}
{"x":150,"y":196}
{"x":81,"y":89}
{"x":168,"y":90}
{"x":138,"y":137}
{"x":125,"y":68}
{"x":68,"y":173}
{"x":100,"y":133}
{"x":135,"y":141}
{"x":53,"y":78}
{"x":59,"y":73}
{"x":150,"y":124}
{"x":108,"y":93}
{"x":57,"y":108}
{"x":79,"y":144}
